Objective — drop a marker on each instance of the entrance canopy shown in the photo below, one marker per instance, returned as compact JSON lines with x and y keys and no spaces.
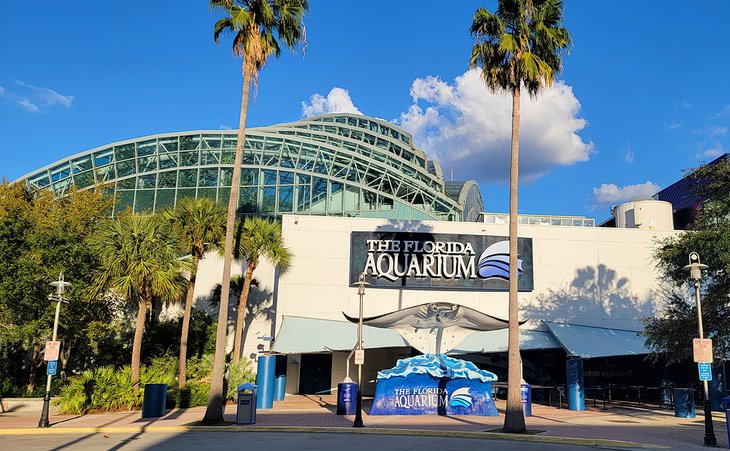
{"x":588,"y":342}
{"x":308,"y":335}
{"x":300,"y":335}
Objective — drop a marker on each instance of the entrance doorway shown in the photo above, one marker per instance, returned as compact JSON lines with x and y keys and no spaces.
{"x":315,"y":374}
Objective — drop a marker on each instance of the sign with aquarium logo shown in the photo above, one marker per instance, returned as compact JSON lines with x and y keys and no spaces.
{"x":438,"y":260}
{"x":434,"y":385}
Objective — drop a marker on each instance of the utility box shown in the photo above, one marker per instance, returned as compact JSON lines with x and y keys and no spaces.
{"x":246,"y":405}
{"x":155,"y":398}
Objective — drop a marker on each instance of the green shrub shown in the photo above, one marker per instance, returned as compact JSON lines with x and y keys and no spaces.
{"x":110,"y":389}
{"x":239,"y":374}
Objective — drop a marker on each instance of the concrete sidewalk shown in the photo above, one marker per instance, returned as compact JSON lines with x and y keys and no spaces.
{"x":621,"y":426}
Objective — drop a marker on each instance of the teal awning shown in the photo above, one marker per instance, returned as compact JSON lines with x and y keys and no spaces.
{"x":588,"y":342}
{"x":299,"y":335}
{"x":496,"y":341}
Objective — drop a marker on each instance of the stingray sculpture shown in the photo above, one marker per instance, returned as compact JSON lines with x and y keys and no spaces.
{"x":436,"y":327}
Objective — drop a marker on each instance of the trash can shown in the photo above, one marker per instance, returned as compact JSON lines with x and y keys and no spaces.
{"x":346,"y":398}
{"x":726,"y":408}
{"x":526,"y":396}
{"x":684,"y":403}
{"x":154,"y":400}
{"x":246,"y":405}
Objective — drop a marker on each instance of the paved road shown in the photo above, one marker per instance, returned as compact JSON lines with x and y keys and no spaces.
{"x":263,"y":441}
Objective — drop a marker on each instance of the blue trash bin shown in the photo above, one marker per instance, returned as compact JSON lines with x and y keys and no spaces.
{"x":346,"y":398}
{"x":526,"y":396}
{"x":726,"y":408}
{"x":684,"y":403}
{"x":246,"y":405}
{"x":155,"y":398}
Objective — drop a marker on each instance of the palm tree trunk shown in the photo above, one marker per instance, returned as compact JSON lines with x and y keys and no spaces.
{"x":183,"y":363}
{"x":214,"y":411}
{"x":514,"y":419}
{"x":137,"y":346}
{"x":32,"y":367}
{"x":241,"y":314}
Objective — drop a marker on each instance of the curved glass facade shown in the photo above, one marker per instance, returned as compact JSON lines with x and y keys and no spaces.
{"x":338,"y":164}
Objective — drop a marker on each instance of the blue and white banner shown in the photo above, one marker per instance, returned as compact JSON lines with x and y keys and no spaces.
{"x":434,"y":385}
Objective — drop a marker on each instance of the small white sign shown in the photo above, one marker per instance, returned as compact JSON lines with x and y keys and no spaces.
{"x":702,"y":349}
{"x":52,"y":350}
{"x":359,"y":356}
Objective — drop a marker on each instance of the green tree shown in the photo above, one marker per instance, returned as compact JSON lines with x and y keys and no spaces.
{"x":139,"y":260}
{"x":41,"y":236}
{"x":257,"y":27}
{"x":196,"y":222}
{"x":256,"y":238}
{"x":521,"y":45}
{"x":671,"y":330}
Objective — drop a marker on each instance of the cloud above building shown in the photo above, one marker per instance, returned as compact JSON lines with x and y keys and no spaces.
{"x":464,"y":126}
{"x":611,"y":194}
{"x":337,"y":101}
{"x":34,"y":99}
{"x":467,"y":127}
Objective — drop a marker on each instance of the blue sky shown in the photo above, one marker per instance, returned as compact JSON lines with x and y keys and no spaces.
{"x":643,"y":94}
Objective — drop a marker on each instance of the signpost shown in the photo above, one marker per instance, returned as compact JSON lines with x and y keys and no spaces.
{"x":705,"y":369}
{"x":52,"y":367}
{"x":52,"y":350}
{"x":702,"y":349}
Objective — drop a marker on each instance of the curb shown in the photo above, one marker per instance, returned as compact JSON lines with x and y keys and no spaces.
{"x":335,"y":430}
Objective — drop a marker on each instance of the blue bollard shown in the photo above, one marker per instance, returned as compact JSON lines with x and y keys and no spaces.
{"x":576,"y":387}
{"x":265,"y":381}
{"x":280,"y":378}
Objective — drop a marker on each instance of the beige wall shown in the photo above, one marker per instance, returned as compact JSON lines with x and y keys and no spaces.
{"x":592,"y":276}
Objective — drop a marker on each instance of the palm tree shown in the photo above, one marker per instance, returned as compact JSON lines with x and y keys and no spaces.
{"x":196,"y":222}
{"x":257,"y":27}
{"x":521,"y":45}
{"x":256,"y":238}
{"x":139,"y":259}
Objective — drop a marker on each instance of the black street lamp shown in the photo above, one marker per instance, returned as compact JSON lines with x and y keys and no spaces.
{"x":695,"y":273}
{"x":60,"y":287}
{"x":358,"y":405}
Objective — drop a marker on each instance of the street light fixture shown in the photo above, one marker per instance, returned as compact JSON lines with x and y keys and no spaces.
{"x":60,"y":285}
{"x":358,"y":359}
{"x":695,"y":273}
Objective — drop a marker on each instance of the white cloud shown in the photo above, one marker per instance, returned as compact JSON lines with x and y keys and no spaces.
{"x":34,"y":98}
{"x":629,"y":155}
{"x":672,"y":125}
{"x":713,"y":130}
{"x":337,"y":101}
{"x":611,"y":194}
{"x":467,"y":127}
{"x":711,"y":151}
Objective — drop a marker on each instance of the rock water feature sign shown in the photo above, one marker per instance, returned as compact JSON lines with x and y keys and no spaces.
{"x":434,"y":384}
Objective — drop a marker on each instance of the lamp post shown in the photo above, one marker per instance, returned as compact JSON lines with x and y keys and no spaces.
{"x":358,"y":355}
{"x":695,"y":273}
{"x":60,"y":286}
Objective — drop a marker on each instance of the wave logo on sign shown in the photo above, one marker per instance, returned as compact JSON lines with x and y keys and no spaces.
{"x":494,"y":262}
{"x":461,"y":398}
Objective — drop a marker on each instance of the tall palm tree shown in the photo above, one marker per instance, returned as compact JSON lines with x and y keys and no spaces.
{"x":256,"y":238}
{"x":257,"y":27}
{"x":196,"y":222}
{"x":139,"y":259}
{"x":521,"y":45}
